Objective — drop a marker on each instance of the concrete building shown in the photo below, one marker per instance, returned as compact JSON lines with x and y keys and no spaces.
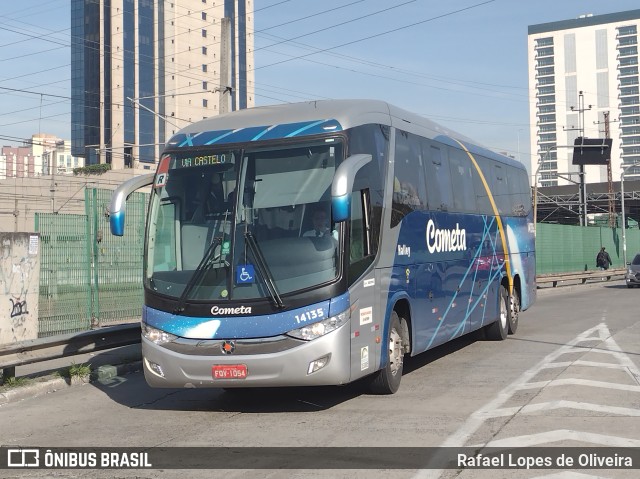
{"x":36,"y":158}
{"x":16,"y":162}
{"x":142,"y":69}
{"x":53,"y":154}
{"x":581,"y":72}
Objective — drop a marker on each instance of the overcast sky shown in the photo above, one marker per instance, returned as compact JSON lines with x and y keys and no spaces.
{"x":462,"y":63}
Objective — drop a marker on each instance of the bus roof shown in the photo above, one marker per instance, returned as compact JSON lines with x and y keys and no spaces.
{"x":311,"y":116}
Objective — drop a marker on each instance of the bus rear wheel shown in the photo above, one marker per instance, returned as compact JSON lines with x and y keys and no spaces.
{"x":514,"y":311}
{"x":387,"y":380}
{"x":498,"y":330}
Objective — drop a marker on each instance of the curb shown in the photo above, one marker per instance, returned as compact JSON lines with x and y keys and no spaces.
{"x":51,"y":384}
{"x":570,"y":287}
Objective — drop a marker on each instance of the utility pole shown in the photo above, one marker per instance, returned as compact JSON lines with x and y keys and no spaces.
{"x":225,"y":62}
{"x":607,"y":133}
{"x":16,"y":212}
{"x":52,"y":156}
{"x":583,"y":187}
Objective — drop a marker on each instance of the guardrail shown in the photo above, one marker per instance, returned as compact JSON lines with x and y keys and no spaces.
{"x":44,"y":349}
{"x":582,"y":276}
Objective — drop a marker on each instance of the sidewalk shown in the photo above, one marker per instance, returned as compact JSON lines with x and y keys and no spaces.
{"x":48,"y":376}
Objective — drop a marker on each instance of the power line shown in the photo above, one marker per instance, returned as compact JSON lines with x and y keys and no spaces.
{"x":382,"y":33}
{"x":363,"y":39}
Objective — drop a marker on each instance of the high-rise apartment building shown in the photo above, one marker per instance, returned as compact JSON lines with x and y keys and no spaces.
{"x":142,"y":69}
{"x":583,"y":79}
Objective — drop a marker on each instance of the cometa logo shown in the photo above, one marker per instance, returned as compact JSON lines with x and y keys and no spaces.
{"x":217,"y":310}
{"x":443,"y":241}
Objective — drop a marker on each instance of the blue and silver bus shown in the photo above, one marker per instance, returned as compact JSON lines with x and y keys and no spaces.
{"x":319,"y":243}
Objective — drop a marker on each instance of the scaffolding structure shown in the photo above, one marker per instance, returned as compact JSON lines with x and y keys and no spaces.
{"x":561,"y":204}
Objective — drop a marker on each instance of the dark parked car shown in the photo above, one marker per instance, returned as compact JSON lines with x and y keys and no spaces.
{"x":633,"y":272}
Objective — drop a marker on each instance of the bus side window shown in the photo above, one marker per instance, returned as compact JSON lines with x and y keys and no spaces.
{"x":408,"y":181}
{"x":500,"y":187}
{"x":525,"y":191}
{"x":482,"y":197}
{"x":358,"y":260}
{"x":462,"y":171}
{"x":519,"y":189}
{"x":374,"y":140}
{"x":438,"y":178}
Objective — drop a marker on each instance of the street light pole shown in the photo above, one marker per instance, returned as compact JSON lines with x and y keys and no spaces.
{"x":624,"y":236}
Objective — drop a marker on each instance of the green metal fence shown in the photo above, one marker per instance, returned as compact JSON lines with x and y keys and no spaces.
{"x":87,"y":276}
{"x":64,"y":302}
{"x":563,"y":248}
{"x":117,"y":276}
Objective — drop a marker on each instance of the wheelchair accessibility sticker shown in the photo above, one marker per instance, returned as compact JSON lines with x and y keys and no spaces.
{"x":245,"y":274}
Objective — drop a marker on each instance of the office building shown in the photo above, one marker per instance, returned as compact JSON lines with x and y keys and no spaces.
{"x":583,"y":80}
{"x":142,"y":69}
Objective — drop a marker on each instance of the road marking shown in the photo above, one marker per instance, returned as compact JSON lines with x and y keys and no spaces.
{"x":529,"y":440}
{"x":493,"y":409}
{"x":581,"y":382}
{"x":560,"y":404}
{"x":581,"y":362}
{"x":569,"y":475}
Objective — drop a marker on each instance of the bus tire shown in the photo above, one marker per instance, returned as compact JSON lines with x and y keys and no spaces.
{"x":514,"y":311}
{"x":387,"y":380}
{"x":498,"y":330}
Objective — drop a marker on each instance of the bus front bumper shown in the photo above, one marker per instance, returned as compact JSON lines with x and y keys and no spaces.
{"x":192,"y":367}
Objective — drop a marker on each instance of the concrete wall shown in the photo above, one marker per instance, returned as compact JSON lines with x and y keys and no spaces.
{"x":19,"y":286}
{"x":21,"y":198}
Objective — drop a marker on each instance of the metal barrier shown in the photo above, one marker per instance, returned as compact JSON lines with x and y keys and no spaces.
{"x":44,"y":349}
{"x":581,"y":276}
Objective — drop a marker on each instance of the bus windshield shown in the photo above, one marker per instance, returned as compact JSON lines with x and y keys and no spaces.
{"x":243,"y":224}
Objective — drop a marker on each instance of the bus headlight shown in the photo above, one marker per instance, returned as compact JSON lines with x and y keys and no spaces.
{"x":156,"y":335}
{"x":315,"y":330}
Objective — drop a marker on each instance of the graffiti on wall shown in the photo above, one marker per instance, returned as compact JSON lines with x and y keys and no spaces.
{"x":19,"y":283}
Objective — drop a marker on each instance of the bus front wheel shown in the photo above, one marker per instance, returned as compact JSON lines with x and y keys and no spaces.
{"x":387,"y":379}
{"x":498,"y":330}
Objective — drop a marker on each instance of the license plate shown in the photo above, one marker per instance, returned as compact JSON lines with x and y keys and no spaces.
{"x":229,"y":371}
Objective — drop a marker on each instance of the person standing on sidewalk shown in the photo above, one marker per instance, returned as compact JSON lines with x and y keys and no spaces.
{"x":603,"y":261}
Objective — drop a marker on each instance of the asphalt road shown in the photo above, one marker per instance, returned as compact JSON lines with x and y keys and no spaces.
{"x":569,"y":377}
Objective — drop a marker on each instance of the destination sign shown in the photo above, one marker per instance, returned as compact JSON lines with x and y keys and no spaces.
{"x":195,"y":160}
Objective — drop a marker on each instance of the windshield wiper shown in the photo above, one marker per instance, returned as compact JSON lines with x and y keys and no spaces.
{"x":203,"y":266}
{"x":263,"y":269}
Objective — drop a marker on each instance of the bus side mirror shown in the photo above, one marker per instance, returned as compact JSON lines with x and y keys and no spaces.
{"x":343,"y":184}
{"x":119,"y":201}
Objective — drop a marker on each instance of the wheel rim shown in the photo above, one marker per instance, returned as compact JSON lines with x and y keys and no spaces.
{"x":395,"y":351}
{"x":515,"y":308}
{"x":503,"y":314}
